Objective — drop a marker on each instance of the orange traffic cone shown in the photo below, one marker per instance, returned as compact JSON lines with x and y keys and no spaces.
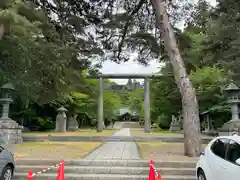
{"x":151,"y":175}
{"x":30,"y":175}
{"x":60,"y":175}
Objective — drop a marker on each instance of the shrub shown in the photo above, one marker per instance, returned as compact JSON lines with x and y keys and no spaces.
{"x":45,"y":124}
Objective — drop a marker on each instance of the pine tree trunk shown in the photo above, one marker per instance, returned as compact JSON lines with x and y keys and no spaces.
{"x":191,"y":124}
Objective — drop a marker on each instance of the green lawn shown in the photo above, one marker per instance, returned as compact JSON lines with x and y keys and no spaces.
{"x":53,"y":150}
{"x":163,"y":151}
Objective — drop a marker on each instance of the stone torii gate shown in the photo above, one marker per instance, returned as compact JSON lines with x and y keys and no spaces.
{"x":146,"y":77}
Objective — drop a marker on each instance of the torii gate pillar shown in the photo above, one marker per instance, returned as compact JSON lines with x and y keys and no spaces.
{"x":100,"y":120}
{"x":147,"y":116}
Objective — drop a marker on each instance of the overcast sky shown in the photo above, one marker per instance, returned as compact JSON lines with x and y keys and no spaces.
{"x":133,"y":67}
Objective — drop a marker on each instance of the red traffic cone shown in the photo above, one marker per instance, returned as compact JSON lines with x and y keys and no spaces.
{"x":151,"y":175}
{"x":58,"y":172}
{"x":159,"y":176}
{"x":60,"y":175}
{"x":30,"y":175}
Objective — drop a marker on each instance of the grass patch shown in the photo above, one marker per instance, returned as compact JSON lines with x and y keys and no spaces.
{"x":154,"y":133}
{"x":54,"y":150}
{"x":81,"y":132}
{"x":163,"y":151}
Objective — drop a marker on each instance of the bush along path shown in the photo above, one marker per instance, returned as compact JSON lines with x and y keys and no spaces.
{"x":111,"y":161}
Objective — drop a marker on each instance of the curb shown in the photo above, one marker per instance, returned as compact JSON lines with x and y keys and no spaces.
{"x":139,"y":150}
{"x":93,"y":150}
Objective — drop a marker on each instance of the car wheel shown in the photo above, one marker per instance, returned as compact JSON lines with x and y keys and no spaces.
{"x":7,"y":173}
{"x":201,"y":175}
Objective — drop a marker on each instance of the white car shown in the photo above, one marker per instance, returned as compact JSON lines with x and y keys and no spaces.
{"x":220,"y":160}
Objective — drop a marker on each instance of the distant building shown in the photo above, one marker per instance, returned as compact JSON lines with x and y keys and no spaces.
{"x":126,"y":110}
{"x":129,"y":86}
{"x":125,"y":114}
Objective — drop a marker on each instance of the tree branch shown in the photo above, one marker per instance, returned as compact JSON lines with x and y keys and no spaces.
{"x":125,"y":29}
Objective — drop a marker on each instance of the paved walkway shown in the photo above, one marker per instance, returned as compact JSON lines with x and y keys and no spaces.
{"x":116,"y":150}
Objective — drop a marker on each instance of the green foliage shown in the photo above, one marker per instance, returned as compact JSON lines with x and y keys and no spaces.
{"x":45,"y":124}
{"x":48,"y":64}
{"x":165,"y":98}
{"x":39,"y":64}
{"x":208,"y":82}
{"x":112,"y":102}
{"x":163,"y":121}
{"x":136,"y":99}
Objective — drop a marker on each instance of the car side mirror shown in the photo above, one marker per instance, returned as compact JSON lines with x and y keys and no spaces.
{"x":238,"y":161}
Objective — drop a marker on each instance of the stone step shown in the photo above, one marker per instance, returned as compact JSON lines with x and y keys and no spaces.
{"x":205,"y":140}
{"x":48,"y":162}
{"x":110,"y":170}
{"x":125,"y":163}
{"x":52,"y":176}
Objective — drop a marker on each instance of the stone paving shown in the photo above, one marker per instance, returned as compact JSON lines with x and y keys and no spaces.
{"x":116,"y":150}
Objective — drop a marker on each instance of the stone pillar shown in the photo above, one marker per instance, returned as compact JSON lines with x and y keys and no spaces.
{"x":208,"y":123}
{"x":147,"y":120}
{"x":5,"y":108}
{"x":234,"y":110}
{"x":72,"y":123}
{"x":175,"y":125}
{"x":61,"y":120}
{"x":100,"y":121}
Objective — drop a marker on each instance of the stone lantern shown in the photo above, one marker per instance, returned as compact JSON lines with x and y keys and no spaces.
{"x":232,"y":92}
{"x":175,"y":125}
{"x":61,"y":120}
{"x":6,"y":100}
{"x":11,"y":131}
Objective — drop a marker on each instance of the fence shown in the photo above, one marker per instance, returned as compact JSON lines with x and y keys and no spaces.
{"x":60,"y":175}
{"x":153,"y":174}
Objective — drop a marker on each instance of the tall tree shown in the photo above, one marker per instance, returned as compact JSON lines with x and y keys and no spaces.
{"x":222,"y":45}
{"x":191,"y":123}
